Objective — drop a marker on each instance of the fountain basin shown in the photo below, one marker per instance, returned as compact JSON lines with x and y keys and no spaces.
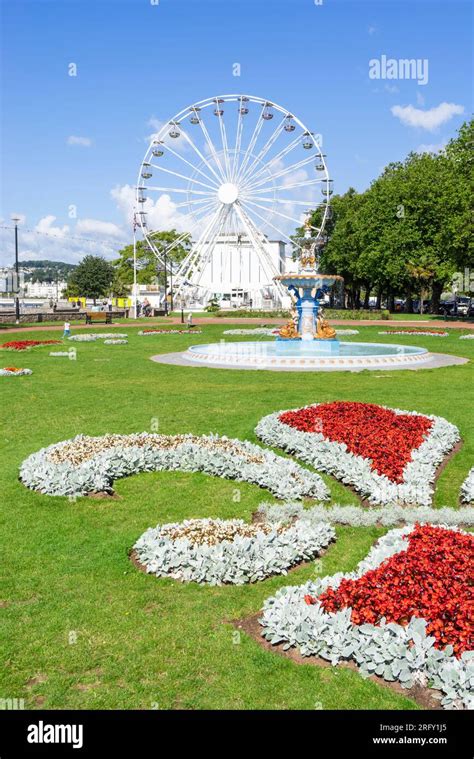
{"x":317,"y":355}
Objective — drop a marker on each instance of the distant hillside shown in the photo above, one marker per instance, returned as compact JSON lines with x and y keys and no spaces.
{"x":46,"y":271}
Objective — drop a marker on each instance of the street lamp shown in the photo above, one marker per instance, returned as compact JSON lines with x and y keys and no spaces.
{"x":15,"y":219}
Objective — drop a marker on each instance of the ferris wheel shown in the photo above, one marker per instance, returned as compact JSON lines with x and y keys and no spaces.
{"x":229,"y":168}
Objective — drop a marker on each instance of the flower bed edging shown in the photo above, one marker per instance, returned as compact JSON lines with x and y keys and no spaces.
{"x":467,"y":488}
{"x":115,"y":342}
{"x":93,"y":336}
{"x":467,"y":337}
{"x":145,"y":332}
{"x":335,"y":459}
{"x":12,"y":371}
{"x":102,"y":460}
{"x":242,"y":560}
{"x":422,"y":333}
{"x":358,"y":516}
{"x":389,"y":650}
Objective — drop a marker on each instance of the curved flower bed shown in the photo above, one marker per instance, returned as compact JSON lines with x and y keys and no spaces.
{"x":23,"y":345}
{"x":92,"y":337}
{"x":358,"y":516}
{"x":116,"y":342}
{"x":343,"y":332}
{"x":91,"y":464}
{"x":467,"y":488}
{"x":255,"y":331}
{"x":387,"y":455}
{"x":14,"y":371}
{"x":467,"y":337}
{"x":402,"y":615}
{"x":216,"y":551}
{"x":144,"y":332}
{"x":424,"y":332}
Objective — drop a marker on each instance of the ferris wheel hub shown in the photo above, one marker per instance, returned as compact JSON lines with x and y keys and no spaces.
{"x":228,"y":193}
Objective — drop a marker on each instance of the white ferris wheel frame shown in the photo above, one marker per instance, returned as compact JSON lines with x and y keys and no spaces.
{"x":204,"y":191}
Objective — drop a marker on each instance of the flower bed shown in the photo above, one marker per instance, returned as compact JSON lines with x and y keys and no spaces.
{"x":255,"y":331}
{"x":87,"y":464}
{"x":144,"y":332}
{"x":60,"y":354}
{"x":412,"y":583}
{"x":467,"y":488}
{"x":387,"y":455}
{"x":116,"y":342}
{"x":216,"y":551}
{"x":14,"y":371}
{"x":92,"y":337}
{"x":23,"y":345}
{"x":467,"y":337}
{"x":344,"y":332}
{"x":425,"y":332}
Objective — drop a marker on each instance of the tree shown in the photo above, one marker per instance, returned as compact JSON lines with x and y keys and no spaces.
{"x":92,"y":278}
{"x":149,"y":271}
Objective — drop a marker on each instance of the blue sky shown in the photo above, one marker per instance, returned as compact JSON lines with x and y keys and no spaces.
{"x":138,"y":61}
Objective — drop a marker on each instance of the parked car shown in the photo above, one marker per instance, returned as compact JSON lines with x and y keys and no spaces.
{"x":461,"y":306}
{"x":426,"y":306}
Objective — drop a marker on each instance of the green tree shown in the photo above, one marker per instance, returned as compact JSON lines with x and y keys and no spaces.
{"x":149,"y":271}
{"x":92,"y":278}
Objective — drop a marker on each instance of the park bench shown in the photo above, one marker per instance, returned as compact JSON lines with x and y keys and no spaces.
{"x":98,"y":317}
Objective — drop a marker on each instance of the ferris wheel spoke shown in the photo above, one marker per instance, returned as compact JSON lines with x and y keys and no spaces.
{"x":211,"y":244}
{"x":196,"y":252}
{"x":250,"y":147}
{"x":201,"y":156}
{"x":298,"y":222}
{"x":238,"y":142}
{"x":294,"y":185}
{"x":270,"y":224}
{"x":290,"y":201}
{"x":191,"y":165}
{"x":191,"y":202}
{"x":255,"y":238}
{"x":177,"y":189}
{"x":225,"y":147}
{"x":287,"y":149}
{"x":287,"y":170}
{"x":212,"y":148}
{"x":183,"y":176}
{"x":269,"y":144}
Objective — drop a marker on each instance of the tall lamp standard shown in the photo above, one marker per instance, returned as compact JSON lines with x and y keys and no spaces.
{"x":17,"y":272}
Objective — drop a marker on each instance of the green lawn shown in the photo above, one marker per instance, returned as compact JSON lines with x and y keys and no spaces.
{"x":144,"y":643}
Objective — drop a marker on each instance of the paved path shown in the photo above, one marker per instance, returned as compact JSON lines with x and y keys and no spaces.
{"x":250,"y":321}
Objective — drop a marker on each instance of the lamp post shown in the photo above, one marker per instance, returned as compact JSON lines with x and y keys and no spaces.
{"x":17,"y":272}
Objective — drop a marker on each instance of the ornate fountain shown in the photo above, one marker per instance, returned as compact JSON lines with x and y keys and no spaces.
{"x":307,"y":331}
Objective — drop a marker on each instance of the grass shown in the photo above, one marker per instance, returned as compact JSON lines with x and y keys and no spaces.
{"x":82,"y":627}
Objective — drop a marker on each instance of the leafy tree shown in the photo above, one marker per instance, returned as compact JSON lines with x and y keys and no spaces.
{"x":92,"y":278}
{"x":149,"y":271}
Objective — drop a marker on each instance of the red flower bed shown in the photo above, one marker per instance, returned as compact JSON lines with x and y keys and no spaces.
{"x":432,"y":579}
{"x":23,"y":345}
{"x":368,"y":430}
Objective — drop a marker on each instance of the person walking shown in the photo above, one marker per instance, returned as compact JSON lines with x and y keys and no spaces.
{"x":67,"y":330}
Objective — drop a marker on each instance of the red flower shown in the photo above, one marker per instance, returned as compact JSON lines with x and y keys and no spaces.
{"x":375,"y":433}
{"x":23,"y":345}
{"x":432,"y":579}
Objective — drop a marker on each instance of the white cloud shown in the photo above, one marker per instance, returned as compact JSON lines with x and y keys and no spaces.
{"x":100,"y":228}
{"x":45,"y":226}
{"x":161,"y":213}
{"x":84,"y":142}
{"x":430,"y":119}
